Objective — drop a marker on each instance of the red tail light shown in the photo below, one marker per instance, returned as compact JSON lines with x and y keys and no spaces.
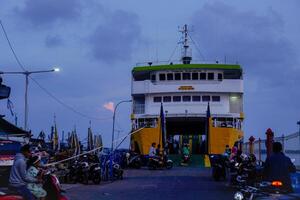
{"x":277,"y":183}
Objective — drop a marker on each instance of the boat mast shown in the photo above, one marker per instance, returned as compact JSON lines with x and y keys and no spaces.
{"x":186,"y":54}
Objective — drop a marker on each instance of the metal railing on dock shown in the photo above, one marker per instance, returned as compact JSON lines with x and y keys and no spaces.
{"x":290,"y":144}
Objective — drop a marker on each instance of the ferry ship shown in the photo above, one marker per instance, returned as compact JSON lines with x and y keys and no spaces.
{"x":202,"y":104}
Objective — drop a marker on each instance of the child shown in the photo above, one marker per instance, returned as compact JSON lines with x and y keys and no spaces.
{"x":33,"y":172}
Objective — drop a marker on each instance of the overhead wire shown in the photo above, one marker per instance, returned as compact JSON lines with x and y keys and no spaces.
{"x":197,"y":47}
{"x":11,"y":48}
{"x":43,"y":88}
{"x":174,"y":50}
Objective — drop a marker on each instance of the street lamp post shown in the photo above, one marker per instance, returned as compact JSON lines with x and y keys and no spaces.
{"x":27,"y":73}
{"x":299,"y":130}
{"x":114,"y":117}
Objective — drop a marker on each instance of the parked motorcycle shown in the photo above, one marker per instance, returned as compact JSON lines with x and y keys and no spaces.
{"x":219,"y":163}
{"x":244,"y":171}
{"x":51,"y":185}
{"x":265,"y":190}
{"x":79,"y":172}
{"x":117,"y":171}
{"x":95,"y":173}
{"x":133,"y":160}
{"x":160,"y":163}
{"x":185,"y":160}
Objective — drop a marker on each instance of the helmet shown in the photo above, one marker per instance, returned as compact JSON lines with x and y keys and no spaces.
{"x":252,"y":157}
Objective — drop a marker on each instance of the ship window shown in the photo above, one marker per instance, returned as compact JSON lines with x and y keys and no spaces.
{"x":153,"y":77}
{"x":220,"y":76}
{"x":162,"y":77}
{"x":167,"y":99}
{"x":186,"y":76}
{"x":210,"y":76}
{"x":177,"y":76}
{"x":196,"y":98}
{"x":206,"y":98}
{"x":202,"y":76}
{"x":176,"y":98}
{"x":169,"y":76}
{"x":195,"y":76}
{"x":156,"y":99}
{"x":216,"y":98}
{"x":186,"y":98}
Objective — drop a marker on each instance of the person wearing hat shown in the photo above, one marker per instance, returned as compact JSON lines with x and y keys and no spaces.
{"x":33,"y":172}
{"x":18,"y":179}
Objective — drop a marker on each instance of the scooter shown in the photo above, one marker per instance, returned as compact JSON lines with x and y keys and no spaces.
{"x":51,"y":185}
{"x":265,"y":190}
{"x":117,"y":171}
{"x":79,"y":172}
{"x":53,"y":188}
{"x":95,"y":173}
{"x":185,"y":160}
{"x":160,"y":163}
{"x":133,"y":160}
{"x":218,"y":163}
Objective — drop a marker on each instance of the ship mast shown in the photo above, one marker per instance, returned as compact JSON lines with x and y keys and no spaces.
{"x":186,"y":53}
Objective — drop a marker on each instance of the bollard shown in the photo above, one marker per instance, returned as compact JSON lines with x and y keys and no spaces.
{"x":251,"y":145}
{"x":269,"y":141}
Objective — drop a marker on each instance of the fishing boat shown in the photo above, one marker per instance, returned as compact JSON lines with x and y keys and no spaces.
{"x":199,"y":104}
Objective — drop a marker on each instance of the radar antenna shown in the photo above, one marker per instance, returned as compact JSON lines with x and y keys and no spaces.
{"x":186,"y":53}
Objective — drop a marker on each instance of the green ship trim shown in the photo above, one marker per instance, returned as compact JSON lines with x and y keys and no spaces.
{"x":185,"y":66}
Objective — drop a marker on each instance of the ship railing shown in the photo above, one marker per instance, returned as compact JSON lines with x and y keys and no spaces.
{"x":227,"y":124}
{"x":145,"y":123}
{"x":138,"y":108}
{"x":290,"y":144}
{"x":170,"y":62}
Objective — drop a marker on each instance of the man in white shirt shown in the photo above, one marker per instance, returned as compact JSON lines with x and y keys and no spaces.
{"x":152,"y":151}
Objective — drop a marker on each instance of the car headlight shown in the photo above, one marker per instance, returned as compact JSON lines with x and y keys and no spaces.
{"x":238,"y":196}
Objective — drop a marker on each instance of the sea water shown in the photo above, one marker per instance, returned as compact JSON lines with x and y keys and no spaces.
{"x":295,"y":178}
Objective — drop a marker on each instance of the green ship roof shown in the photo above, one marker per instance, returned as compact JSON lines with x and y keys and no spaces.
{"x":185,"y":66}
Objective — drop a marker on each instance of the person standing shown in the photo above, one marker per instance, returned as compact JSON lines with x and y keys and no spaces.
{"x":227,"y":151}
{"x":18,"y":179}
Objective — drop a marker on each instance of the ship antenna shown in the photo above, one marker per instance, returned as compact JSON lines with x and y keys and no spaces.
{"x":186,"y":55}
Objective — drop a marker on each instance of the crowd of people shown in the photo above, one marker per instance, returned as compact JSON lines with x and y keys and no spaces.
{"x":27,"y":170}
{"x":277,"y":166}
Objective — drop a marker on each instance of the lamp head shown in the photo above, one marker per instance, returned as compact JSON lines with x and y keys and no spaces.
{"x":56,"y":69}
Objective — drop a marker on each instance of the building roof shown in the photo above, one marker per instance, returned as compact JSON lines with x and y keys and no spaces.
{"x":185,"y":66}
{"x":8,"y":129}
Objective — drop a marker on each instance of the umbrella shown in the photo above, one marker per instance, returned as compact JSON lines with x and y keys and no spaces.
{"x":55,"y":138}
{"x":90,"y":139}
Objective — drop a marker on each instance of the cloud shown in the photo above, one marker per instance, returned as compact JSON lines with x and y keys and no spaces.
{"x":115,"y":39}
{"x":258,"y":42}
{"x":53,"y":41}
{"x":109,"y":106}
{"x":47,"y":12}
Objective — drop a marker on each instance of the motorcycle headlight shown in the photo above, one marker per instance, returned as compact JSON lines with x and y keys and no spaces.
{"x":238,"y":196}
